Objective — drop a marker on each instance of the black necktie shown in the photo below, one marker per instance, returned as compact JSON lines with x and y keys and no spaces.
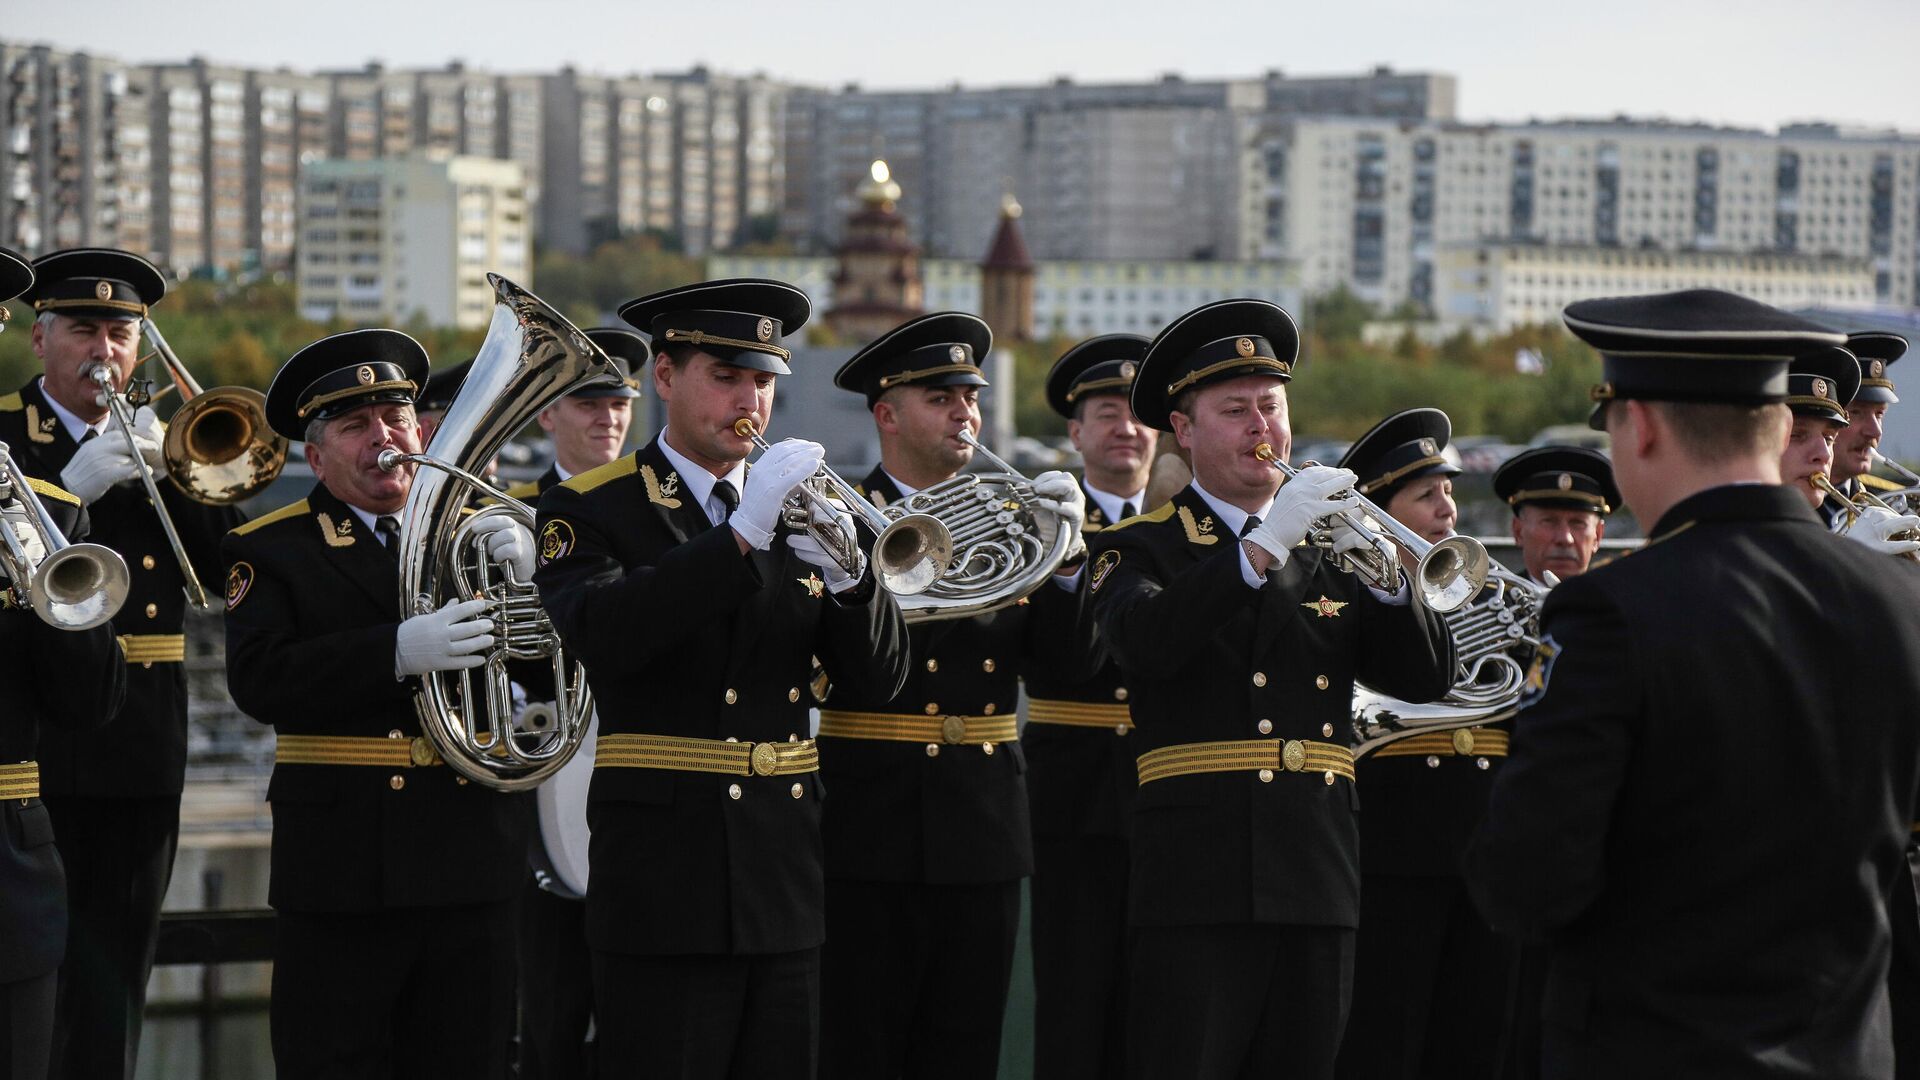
{"x":729,"y":498}
{"x":1253,"y":522}
{"x":92,"y":434}
{"x":389,"y":529}
{"x":1127,"y":511}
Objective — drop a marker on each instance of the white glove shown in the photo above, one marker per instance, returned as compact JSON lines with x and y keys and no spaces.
{"x":781,"y":469}
{"x":443,"y":640}
{"x":509,"y":544}
{"x":100,"y":463}
{"x":1876,"y":527}
{"x":149,"y":436}
{"x":810,"y":550}
{"x":1303,"y":500}
{"x":1060,"y":493}
{"x":1345,"y":538}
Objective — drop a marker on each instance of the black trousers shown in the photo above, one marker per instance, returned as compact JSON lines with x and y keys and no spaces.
{"x":119,"y":858}
{"x":1903,"y":978}
{"x":1431,"y":983}
{"x":1079,"y":893}
{"x":556,"y":987}
{"x":1234,"y":1001}
{"x":708,"y":1017}
{"x":915,"y":978}
{"x":402,"y":992}
{"x":26,"y":1026}
{"x":1521,"y":1060}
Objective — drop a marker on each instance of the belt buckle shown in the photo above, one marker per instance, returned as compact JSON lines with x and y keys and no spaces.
{"x":954,"y":730}
{"x":1293,"y":755}
{"x":764,"y":759}
{"x":1463,"y":741}
{"x":421,"y":752}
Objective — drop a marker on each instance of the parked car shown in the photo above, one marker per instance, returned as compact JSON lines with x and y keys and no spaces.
{"x":1572,"y":435}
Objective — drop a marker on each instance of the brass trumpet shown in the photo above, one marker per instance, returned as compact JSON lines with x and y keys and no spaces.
{"x":911,"y":552}
{"x":70,"y":586}
{"x":1447,"y":575}
{"x":1850,"y":511}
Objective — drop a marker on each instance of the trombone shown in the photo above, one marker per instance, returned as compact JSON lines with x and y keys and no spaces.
{"x":1448,"y":574}
{"x":70,"y":586}
{"x":121,"y":407}
{"x":1850,"y":511}
{"x":219,"y":449}
{"x":911,"y":553}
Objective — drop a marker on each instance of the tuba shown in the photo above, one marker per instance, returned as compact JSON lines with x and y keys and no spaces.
{"x":531,"y":356}
{"x":70,"y":586}
{"x":1494,"y":639}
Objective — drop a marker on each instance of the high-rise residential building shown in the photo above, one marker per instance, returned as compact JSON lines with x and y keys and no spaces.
{"x":1499,"y":286}
{"x":694,"y":156}
{"x":75,"y":156}
{"x":1135,"y":170}
{"x":1372,"y":205}
{"x":287,"y":123}
{"x":393,"y":240}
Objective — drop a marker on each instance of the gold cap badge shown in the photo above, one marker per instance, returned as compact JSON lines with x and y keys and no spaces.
{"x":103,"y":290}
{"x":1876,"y":368}
{"x":1429,"y":447}
{"x":1127,"y":369}
{"x":1245,"y":346}
{"x":365,"y":375}
{"x":958,"y":354}
{"x":1565,"y":483}
{"x":1819,"y":388}
{"x":765,"y":330}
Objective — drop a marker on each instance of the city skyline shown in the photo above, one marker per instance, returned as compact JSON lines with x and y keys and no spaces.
{"x":1683,"y":62}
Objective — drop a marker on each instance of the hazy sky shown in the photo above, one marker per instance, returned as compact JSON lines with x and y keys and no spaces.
{"x":1749,"y":62}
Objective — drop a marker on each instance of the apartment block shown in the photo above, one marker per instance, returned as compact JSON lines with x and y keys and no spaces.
{"x":394,"y":240}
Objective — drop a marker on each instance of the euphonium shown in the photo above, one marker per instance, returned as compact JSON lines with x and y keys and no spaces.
{"x":70,"y":586}
{"x":1447,"y":574}
{"x":531,"y":356}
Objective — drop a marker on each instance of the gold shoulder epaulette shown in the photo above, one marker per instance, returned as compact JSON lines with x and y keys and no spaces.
{"x":524,"y":490}
{"x":299,"y":509}
{"x":612,"y":470}
{"x":52,"y":491}
{"x":1163,"y":513}
{"x":11,"y":402}
{"x":1879,"y":483}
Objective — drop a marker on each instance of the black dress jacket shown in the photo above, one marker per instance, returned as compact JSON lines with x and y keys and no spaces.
{"x":53,"y":678}
{"x":959,"y":814}
{"x":143,"y":751}
{"x":682,"y":635}
{"x":1081,"y":779}
{"x":1706,"y":806}
{"x":313,"y":602}
{"x":1208,"y":658}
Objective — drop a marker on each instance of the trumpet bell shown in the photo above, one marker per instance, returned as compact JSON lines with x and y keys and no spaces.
{"x":912,"y":553}
{"x":219,"y":449}
{"x":1452,"y":573}
{"x":79,"y":587}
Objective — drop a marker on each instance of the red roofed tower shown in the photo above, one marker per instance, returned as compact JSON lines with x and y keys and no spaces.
{"x":1006,"y":280}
